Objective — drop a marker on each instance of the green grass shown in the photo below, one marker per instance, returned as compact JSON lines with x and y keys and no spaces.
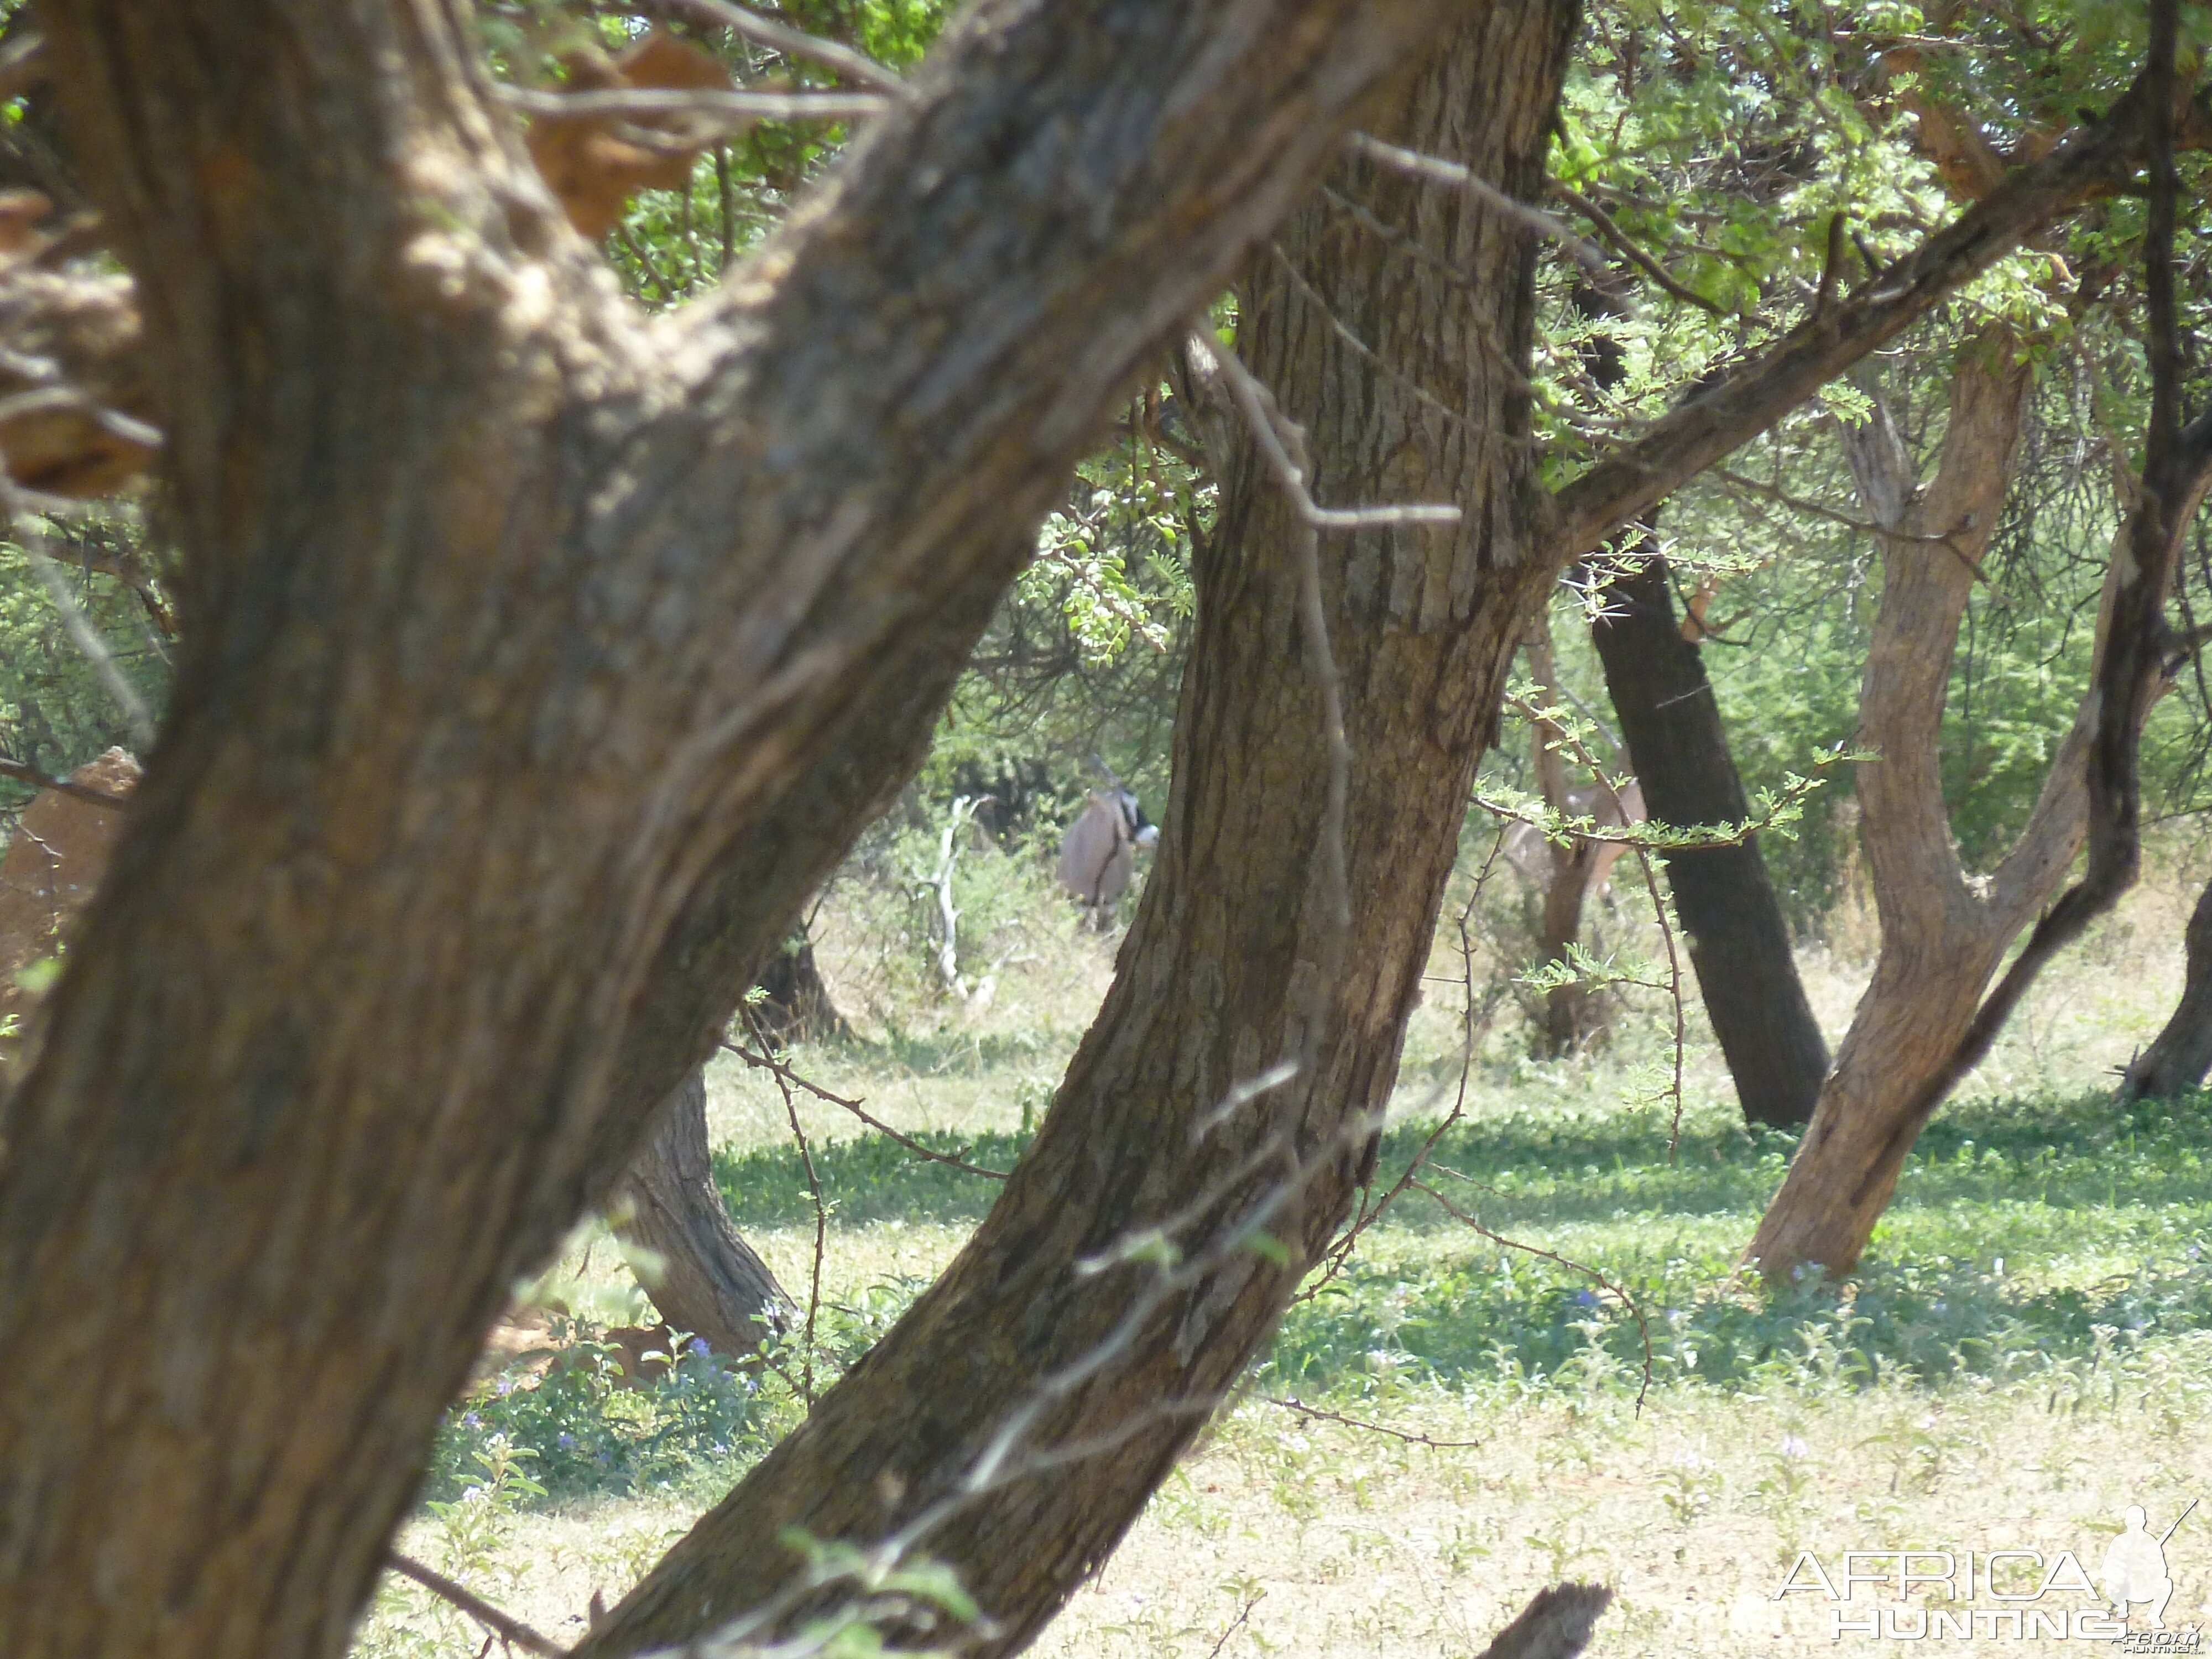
{"x":1942,"y":1395}
{"x":2100,"y":1214}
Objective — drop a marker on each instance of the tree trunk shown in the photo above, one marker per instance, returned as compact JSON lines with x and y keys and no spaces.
{"x":797,"y":1004}
{"x":1739,"y":942}
{"x":1942,"y":937}
{"x":1224,"y":971}
{"x":539,"y":659}
{"x":1572,"y":1015}
{"x":2180,"y":1054}
{"x":703,"y":1277}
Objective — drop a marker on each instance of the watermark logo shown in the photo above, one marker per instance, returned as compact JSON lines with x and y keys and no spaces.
{"x":2005,"y":1594}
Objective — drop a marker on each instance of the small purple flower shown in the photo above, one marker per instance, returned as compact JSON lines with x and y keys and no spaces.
{"x":1585,"y":1298}
{"x":471,"y":1421}
{"x":1794,"y":1447}
{"x":565,"y":1440}
{"x":701,"y":1347}
{"x":504,"y":1387}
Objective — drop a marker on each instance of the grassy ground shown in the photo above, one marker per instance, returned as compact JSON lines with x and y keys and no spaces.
{"x":2027,"y":1351}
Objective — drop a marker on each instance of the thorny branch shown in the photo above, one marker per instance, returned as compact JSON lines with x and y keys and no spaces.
{"x":785,"y":1074}
{"x":504,"y":1626}
{"x":855,"y":66}
{"x":821,"y":1216}
{"x":1567,"y":1262}
{"x":1340,"y":1250}
{"x":1292,"y":1403}
{"x":23,"y":525}
{"x":1643,"y":851}
{"x":1635,"y":255}
{"x":19,"y":773}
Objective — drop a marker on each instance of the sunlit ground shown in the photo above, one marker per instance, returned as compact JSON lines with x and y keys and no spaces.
{"x":2028,"y":1350}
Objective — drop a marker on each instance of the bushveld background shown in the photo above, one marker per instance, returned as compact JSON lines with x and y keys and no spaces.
{"x":1452,"y":1421}
{"x":1567,"y":1378}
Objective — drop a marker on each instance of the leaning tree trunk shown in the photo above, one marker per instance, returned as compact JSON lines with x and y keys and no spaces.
{"x":539,"y":659}
{"x":2181,"y":1052}
{"x":1941,"y":937}
{"x":1225,"y":971}
{"x":705,"y":1280}
{"x":1738,"y":941}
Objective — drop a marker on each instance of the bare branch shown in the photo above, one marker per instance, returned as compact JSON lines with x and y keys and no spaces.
{"x":1437,"y":170}
{"x":1292,"y":1403}
{"x":855,"y":66}
{"x":821,"y":1218}
{"x":20,"y":773}
{"x":1567,"y":1262}
{"x":1635,"y":255}
{"x":788,"y":1075}
{"x":731,"y":109}
{"x":506,"y":1626}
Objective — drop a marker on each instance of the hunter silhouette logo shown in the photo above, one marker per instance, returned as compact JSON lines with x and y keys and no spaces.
{"x":2034,"y":1596}
{"x":2134,"y":1566}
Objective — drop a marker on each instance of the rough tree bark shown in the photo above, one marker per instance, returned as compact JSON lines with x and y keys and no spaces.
{"x":703,"y":1277}
{"x":1223,"y":976}
{"x":1942,"y":935}
{"x":1739,"y":940}
{"x":2181,"y":1052}
{"x":1220,"y":971}
{"x":539,"y":659}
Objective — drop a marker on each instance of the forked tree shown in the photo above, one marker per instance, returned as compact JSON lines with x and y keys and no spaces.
{"x":1936,"y":1002}
{"x":1392,"y":320}
{"x":2181,"y":1052}
{"x":540,"y":658}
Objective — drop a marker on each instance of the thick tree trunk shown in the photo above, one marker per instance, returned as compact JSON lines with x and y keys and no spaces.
{"x":1941,"y":937}
{"x":539,"y":660}
{"x":1224,"y":972}
{"x":1738,"y":941}
{"x":704,"y":1278}
{"x":2180,"y":1054}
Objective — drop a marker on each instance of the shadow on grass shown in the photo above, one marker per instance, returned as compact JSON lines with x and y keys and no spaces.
{"x":1994,"y":1177}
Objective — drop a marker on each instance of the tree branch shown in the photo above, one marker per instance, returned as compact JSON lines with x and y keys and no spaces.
{"x":505,"y":1625}
{"x":2131,"y":666}
{"x":1635,"y":255}
{"x":19,"y":773}
{"x":857,"y":67}
{"x":1622,"y":486}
